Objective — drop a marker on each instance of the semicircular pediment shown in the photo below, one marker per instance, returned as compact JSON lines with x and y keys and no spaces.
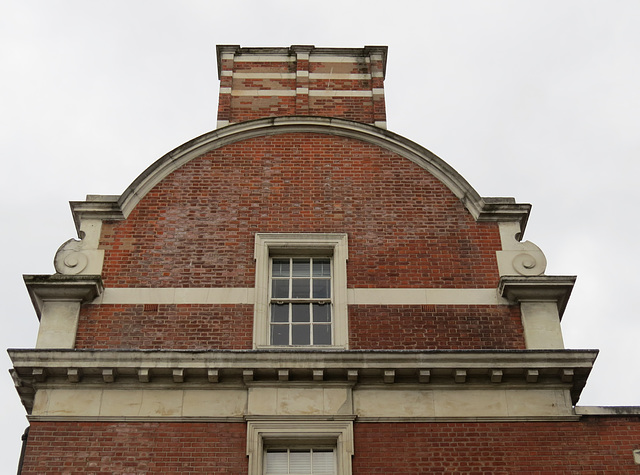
{"x":482,"y":209}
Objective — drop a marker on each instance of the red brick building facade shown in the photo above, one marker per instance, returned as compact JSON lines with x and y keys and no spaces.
{"x":303,"y":291}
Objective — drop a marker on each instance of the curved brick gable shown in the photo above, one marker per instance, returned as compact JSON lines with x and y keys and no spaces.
{"x":196,"y":228}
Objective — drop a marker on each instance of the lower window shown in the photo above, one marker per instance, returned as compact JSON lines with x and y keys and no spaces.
{"x":294,"y":446}
{"x":299,"y":461}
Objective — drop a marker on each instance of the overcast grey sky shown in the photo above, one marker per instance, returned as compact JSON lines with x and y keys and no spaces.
{"x":538,"y":100}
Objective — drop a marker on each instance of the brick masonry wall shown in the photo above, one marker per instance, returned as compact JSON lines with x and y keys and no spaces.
{"x":213,"y":327}
{"x":115,"y":448}
{"x":360,"y":66}
{"x":430,"y":327}
{"x":196,"y":229}
{"x":155,"y":327}
{"x":595,"y":445}
{"x":249,"y":108}
{"x":359,"y":109}
{"x":236,"y":105}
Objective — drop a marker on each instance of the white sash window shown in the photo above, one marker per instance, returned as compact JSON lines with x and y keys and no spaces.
{"x":300,"y":305}
{"x":301,"y":290}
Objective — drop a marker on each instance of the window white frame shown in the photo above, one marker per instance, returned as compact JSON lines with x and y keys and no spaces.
{"x":332,"y":245}
{"x":277,"y":433}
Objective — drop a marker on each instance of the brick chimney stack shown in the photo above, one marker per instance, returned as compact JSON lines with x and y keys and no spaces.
{"x":302,"y":80}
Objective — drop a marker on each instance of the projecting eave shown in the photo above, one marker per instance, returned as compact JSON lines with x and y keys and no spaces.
{"x":482,"y":209}
{"x":524,"y":369}
{"x":536,"y":288}
{"x":608,"y":411}
{"x":78,"y":288}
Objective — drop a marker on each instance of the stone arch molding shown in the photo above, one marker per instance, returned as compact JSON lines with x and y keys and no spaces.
{"x":83,"y":257}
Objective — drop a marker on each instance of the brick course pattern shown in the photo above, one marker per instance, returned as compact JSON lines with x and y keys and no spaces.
{"x":230,"y":327}
{"x":245,"y":98}
{"x":196,"y":228}
{"x":431,"y":327}
{"x":102,"y":448}
{"x":595,"y":445}
{"x":165,"y":327}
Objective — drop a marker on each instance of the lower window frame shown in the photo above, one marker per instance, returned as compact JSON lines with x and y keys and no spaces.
{"x":262,"y":434}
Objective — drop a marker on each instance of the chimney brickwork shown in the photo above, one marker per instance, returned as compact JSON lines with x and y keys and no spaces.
{"x":302,"y":80}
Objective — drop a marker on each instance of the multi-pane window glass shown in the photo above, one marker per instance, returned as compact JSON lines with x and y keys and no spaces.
{"x":300,"y":302}
{"x":300,"y":462}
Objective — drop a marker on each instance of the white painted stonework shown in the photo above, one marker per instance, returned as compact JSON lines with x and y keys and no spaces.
{"x":196,"y":296}
{"x":83,"y":256}
{"x":252,"y":58}
{"x":240,"y":295}
{"x":140,"y":403}
{"x":339,"y":93}
{"x":414,"y":296}
{"x":250,"y":75}
{"x":232,"y":385}
{"x":58,"y":324}
{"x":482,"y":209}
{"x":338,"y":431}
{"x":367,"y":404}
{"x":541,"y":324}
{"x":341,"y":76}
{"x":461,"y":403}
{"x":322,"y":58}
{"x":299,"y":401}
{"x":542,"y":300}
{"x":263,"y":92}
{"x":518,"y":258}
{"x":57,"y":299}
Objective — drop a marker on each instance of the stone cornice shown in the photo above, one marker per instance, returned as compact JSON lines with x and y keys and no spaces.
{"x":294,"y":49}
{"x":365,"y":419}
{"x":608,"y":411}
{"x":80,"y":288}
{"x":504,"y":209}
{"x":35,"y":369}
{"x":539,"y":288}
{"x":102,"y":207}
{"x":482,"y":209}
